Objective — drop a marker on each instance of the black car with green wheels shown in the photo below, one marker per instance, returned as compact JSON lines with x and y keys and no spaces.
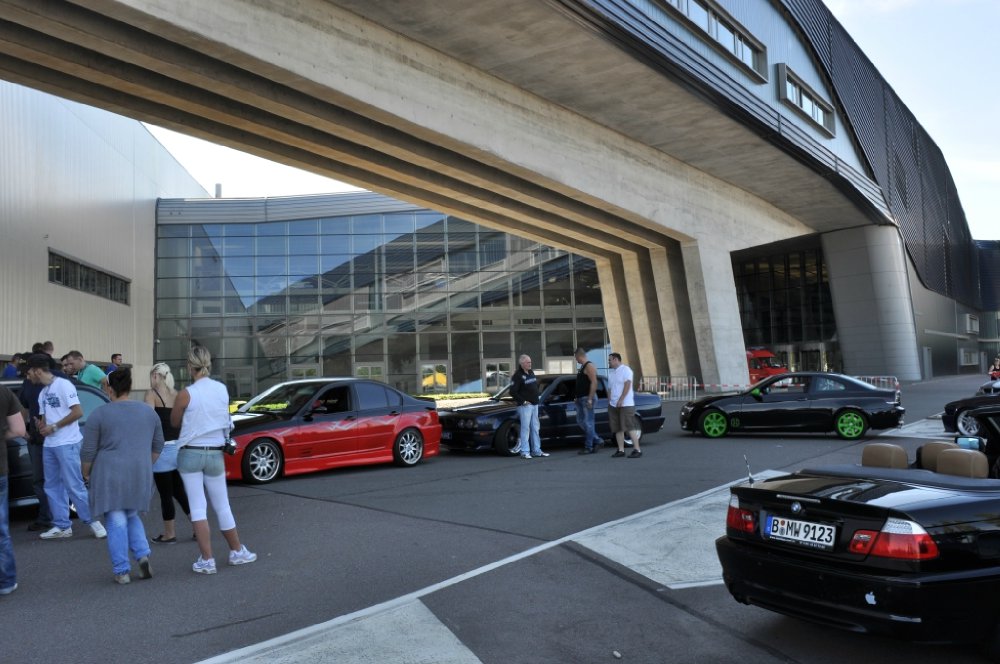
{"x":797,"y":402}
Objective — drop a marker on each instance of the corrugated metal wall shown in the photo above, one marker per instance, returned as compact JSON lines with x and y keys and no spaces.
{"x":82,"y":182}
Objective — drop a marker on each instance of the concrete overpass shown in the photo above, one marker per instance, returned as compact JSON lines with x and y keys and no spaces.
{"x":516,"y":114}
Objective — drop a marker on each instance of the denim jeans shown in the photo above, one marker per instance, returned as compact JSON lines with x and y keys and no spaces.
{"x":63,"y":483}
{"x":528,"y":414}
{"x":585,"y":418}
{"x":125,"y":532}
{"x":8,"y":570}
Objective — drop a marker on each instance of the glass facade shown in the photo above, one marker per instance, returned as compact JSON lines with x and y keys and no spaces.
{"x":421,"y":300}
{"x":785,"y":304}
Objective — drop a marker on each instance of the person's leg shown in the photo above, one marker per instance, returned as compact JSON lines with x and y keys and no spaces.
{"x":55,"y":491}
{"x":165,"y":487}
{"x":137,"y":542}
{"x":118,"y":540}
{"x":589,"y":427}
{"x":36,"y":455}
{"x":536,"y":440}
{"x":634,"y":432}
{"x":524,"y":417}
{"x":72,"y":479}
{"x":195,"y":488}
{"x":614,"y":420}
{"x":180,"y":495}
{"x":581,"y":421}
{"x":218,"y":494}
{"x":8,"y":566}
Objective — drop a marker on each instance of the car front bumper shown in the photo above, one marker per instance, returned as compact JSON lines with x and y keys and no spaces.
{"x":938,"y":608}
{"x":467,"y":439}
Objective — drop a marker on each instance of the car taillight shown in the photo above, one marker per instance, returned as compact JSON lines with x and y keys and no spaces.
{"x":738,"y":518}
{"x":899,"y":539}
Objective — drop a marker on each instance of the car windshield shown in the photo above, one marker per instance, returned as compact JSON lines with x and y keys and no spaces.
{"x":504,"y":394}
{"x":771,"y":363}
{"x":287,"y":398}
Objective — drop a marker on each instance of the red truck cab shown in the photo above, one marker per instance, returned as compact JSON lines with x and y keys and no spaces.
{"x":763,"y":363}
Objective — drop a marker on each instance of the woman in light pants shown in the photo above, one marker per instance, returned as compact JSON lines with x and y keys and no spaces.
{"x":201,"y":410}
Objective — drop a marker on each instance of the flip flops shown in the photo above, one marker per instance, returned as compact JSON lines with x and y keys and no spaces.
{"x":160,"y":539}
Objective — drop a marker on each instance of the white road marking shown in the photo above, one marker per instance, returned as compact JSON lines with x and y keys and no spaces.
{"x":333,"y":633}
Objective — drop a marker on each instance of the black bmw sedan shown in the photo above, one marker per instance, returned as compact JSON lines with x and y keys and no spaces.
{"x":801,"y":401}
{"x":493,"y":424}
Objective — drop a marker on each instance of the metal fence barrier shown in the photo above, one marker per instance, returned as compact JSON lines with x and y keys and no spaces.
{"x":881,"y":382}
{"x":670,"y":388}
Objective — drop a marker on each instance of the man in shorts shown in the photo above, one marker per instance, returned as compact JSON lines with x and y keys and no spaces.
{"x":621,"y":407}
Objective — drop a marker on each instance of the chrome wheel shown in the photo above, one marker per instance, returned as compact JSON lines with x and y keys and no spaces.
{"x":408,"y":448}
{"x":261,"y":461}
{"x":966,"y":424}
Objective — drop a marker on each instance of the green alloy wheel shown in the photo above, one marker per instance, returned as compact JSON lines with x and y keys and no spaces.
{"x":851,"y":425}
{"x":713,"y":424}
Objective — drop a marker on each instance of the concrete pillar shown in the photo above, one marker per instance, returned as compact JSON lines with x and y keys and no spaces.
{"x":715,"y":314}
{"x":675,"y":311}
{"x":871,"y":301}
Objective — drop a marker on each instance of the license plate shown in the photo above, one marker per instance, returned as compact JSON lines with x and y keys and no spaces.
{"x":445,"y":435}
{"x":815,"y":535}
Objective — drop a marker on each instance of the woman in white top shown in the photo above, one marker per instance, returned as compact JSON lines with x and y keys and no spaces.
{"x":201,"y":410}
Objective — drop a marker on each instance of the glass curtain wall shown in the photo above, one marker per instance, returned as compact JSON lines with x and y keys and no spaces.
{"x":423,"y":301}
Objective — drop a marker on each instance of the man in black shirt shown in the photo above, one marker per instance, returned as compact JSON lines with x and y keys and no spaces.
{"x":586,"y":394}
{"x":524,"y":390}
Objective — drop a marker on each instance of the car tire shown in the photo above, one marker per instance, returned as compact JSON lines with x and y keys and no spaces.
{"x":262,"y":461}
{"x":408,"y":449}
{"x":713,"y":423}
{"x":508,"y":439}
{"x":966,"y":424}
{"x":850,"y":424}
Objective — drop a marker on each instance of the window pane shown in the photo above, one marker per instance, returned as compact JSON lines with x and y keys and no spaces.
{"x":699,"y":14}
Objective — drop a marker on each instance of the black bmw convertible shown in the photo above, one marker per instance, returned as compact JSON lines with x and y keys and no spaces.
{"x":896,"y":546}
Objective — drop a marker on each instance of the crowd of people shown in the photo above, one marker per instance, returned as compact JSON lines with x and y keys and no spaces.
{"x":172,"y":440}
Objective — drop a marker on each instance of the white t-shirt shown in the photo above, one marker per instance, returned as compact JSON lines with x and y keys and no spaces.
{"x":54,"y":403}
{"x":616,"y":385}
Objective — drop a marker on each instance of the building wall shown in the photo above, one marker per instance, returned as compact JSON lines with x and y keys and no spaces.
{"x":84,"y":183}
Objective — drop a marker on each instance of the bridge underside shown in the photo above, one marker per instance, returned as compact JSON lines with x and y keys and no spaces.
{"x":514,"y":115}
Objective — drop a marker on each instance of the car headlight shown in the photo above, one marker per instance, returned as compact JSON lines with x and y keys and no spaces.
{"x":488,"y":423}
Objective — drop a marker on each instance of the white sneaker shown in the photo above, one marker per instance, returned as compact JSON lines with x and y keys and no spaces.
{"x":242,"y":557}
{"x":202,"y":566}
{"x":99,"y":531}
{"x":55,"y":532}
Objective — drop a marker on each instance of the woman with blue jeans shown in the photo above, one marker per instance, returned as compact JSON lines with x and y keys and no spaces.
{"x":201,"y":410}
{"x":120,"y":443}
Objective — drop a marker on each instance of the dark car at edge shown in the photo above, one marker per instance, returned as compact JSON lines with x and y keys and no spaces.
{"x":905,"y":551}
{"x":797,"y":402}
{"x":494,"y":424}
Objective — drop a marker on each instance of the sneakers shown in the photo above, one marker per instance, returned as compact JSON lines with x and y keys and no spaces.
{"x":7,"y":591}
{"x":55,"y":532}
{"x":618,"y":453}
{"x":98,"y":529}
{"x":122,"y":579}
{"x":145,"y":571}
{"x":525,"y":456}
{"x":541,"y":454}
{"x":587,"y":451}
{"x":202,"y":566}
{"x":242,"y":557}
{"x":635,"y":454}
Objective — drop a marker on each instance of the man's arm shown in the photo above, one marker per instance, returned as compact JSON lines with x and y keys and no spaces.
{"x":591,"y":372}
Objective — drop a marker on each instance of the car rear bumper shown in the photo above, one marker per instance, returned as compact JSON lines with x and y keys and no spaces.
{"x":941,"y":607}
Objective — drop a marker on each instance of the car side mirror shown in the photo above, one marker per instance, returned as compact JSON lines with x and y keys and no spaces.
{"x":971,"y":443}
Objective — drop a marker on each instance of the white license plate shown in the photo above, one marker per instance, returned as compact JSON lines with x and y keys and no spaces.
{"x":816,"y":535}
{"x":445,"y":435}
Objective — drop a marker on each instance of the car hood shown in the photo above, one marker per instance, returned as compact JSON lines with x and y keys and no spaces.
{"x":708,"y":400}
{"x":243,"y":421}
{"x":479,"y":408}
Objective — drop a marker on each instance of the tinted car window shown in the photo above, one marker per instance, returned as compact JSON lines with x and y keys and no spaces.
{"x":334,"y":400}
{"x":825,"y":384}
{"x":371,"y":396}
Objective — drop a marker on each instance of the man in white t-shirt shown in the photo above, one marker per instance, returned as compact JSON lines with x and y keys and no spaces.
{"x":621,"y":407}
{"x":59,"y":409}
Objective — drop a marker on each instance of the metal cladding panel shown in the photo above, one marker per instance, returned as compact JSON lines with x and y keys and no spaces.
{"x":278,"y":208}
{"x":989,"y":273}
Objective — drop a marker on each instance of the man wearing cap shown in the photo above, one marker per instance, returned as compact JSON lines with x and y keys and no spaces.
{"x":59,"y":409}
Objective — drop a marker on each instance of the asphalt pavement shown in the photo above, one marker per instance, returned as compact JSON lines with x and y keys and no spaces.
{"x":465,"y":558}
